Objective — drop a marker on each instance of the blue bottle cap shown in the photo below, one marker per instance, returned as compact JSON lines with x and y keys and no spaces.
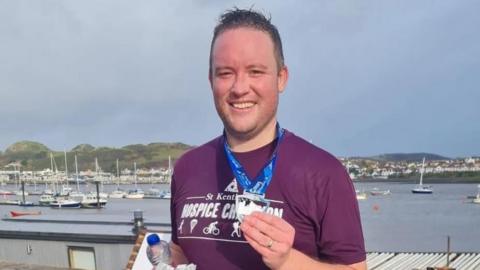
{"x":153,"y":239}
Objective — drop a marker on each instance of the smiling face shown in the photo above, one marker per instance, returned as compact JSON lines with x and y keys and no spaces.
{"x":246,"y":82}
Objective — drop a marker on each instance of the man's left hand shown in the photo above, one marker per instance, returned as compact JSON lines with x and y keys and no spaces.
{"x":270,"y":236}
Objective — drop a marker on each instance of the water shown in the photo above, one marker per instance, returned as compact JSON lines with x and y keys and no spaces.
{"x":404,"y":221}
{"x":401,"y":221}
{"x":154,"y":210}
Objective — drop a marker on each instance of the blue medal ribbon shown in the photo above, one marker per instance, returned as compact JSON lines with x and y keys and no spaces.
{"x":260,"y":183}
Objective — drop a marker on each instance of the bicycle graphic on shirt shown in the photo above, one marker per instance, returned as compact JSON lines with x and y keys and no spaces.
{"x":212,"y":229}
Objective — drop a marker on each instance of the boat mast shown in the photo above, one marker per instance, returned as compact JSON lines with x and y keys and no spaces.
{"x":51,"y":168}
{"x":97,"y":170}
{"x":76,"y":173}
{"x":66,"y":167}
{"x":170,"y":169}
{"x":55,"y":185}
{"x":15,"y":175}
{"x":421,"y":172}
{"x":34,"y":181}
{"x":118,"y":177}
{"x":135,"y":173}
{"x":51,"y":161}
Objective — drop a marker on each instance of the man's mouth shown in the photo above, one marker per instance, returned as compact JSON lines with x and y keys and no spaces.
{"x":242,"y":105}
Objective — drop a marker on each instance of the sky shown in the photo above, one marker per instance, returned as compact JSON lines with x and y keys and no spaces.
{"x":366,"y":77}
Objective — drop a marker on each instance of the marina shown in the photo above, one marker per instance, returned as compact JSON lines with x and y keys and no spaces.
{"x":392,"y":224}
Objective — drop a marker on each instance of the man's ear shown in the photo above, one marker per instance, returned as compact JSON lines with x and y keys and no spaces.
{"x":210,"y":77}
{"x":282,"y":79}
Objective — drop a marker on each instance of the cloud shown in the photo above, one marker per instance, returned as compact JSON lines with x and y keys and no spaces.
{"x":121,"y":72}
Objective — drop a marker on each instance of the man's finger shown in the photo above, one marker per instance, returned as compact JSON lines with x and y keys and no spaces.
{"x":262,"y":250}
{"x":275,"y":221}
{"x":254,"y":233}
{"x":265,"y":228}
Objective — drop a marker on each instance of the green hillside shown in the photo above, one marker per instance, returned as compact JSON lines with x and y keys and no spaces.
{"x":411,"y":157}
{"x":36,"y":156}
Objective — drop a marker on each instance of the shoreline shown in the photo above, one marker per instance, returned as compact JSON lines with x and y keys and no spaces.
{"x":414,"y":180}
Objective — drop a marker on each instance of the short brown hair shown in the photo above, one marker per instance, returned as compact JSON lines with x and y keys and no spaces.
{"x":236,"y":18}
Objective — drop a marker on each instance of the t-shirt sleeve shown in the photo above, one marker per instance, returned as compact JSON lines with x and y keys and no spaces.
{"x":340,"y":238}
{"x":172,"y":210}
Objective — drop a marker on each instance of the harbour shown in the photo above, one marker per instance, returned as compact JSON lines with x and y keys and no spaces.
{"x":397,"y":224}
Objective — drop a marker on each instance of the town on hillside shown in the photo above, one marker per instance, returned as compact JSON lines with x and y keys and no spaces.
{"x":358,"y":169}
{"x":361,"y":168}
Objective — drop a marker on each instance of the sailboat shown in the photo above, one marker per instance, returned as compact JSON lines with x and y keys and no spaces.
{"x":136,"y":193}
{"x":35,"y":191}
{"x":420,"y":188}
{"x":76,"y":194}
{"x":361,"y":195}
{"x":166,"y":193}
{"x":118,"y":193}
{"x":477,"y":198}
{"x":102,"y":194}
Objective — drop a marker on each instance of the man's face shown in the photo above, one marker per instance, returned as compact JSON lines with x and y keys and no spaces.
{"x":245,"y":81}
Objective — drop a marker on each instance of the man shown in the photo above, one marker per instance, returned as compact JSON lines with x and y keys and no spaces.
{"x":308,"y":216}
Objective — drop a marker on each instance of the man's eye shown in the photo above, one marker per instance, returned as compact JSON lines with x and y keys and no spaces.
{"x":256,"y":72}
{"x":224,"y":73}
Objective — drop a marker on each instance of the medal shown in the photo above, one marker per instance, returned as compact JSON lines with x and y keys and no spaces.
{"x":253,"y":198}
{"x":248,"y":203}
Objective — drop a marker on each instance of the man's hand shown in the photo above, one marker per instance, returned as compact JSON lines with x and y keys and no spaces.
{"x":270,"y":236}
{"x":178,"y":257}
{"x":273,"y":237}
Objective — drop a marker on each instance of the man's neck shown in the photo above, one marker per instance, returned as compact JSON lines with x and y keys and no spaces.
{"x":245,"y":143}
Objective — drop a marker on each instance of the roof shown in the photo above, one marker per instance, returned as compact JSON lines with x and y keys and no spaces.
{"x":416,"y":260}
{"x":64,"y":229}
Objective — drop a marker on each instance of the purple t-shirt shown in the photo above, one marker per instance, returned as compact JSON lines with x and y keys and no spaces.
{"x":310,"y":189}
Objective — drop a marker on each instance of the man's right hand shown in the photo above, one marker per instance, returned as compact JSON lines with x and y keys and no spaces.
{"x":178,"y":257}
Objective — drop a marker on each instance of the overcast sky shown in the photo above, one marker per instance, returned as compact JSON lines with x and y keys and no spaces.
{"x":366,"y":77}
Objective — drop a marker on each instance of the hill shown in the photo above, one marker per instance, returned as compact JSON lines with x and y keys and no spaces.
{"x":36,"y":156}
{"x":410,"y":157}
{"x":24,"y":150}
{"x":26,"y":146}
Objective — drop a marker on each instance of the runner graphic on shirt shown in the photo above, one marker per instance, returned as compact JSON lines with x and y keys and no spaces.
{"x":180,"y":228}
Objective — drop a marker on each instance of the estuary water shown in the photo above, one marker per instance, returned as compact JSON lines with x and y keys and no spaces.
{"x":404,"y":221}
{"x":401,"y":221}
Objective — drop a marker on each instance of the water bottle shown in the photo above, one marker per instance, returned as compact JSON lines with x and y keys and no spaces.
{"x":158,"y":251}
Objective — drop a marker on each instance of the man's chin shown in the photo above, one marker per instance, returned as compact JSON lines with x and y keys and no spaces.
{"x":241,"y":131}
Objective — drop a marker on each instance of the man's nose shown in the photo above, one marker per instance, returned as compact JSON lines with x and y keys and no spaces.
{"x":241,"y":85}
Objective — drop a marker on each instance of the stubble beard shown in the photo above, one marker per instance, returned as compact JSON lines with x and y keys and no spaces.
{"x":250,"y":132}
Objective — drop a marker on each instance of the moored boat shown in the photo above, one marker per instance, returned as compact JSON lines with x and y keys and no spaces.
{"x":26,"y":203}
{"x":153,"y":193}
{"x":46,"y":199}
{"x":24,"y":213}
{"x":10,"y":202}
{"x":35,"y":192}
{"x":90,"y":201}
{"x":5,"y":192}
{"x":48,"y":192}
{"x":420,"y":188}
{"x":379,"y":192}
{"x":361,"y":195}
{"x":118,"y":194}
{"x":477,"y":198}
{"x":135,"y":194}
{"x":166,"y":195}
{"x":20,"y":193}
{"x":76,"y":195}
{"x":65,"y":203}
